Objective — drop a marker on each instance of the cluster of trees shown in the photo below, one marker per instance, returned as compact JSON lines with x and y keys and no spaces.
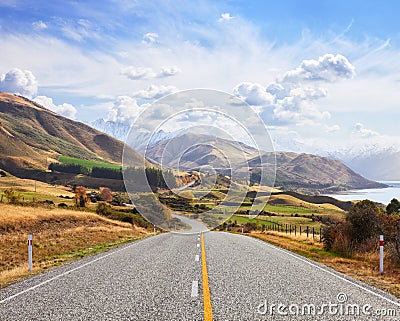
{"x":364,"y":222}
{"x":69,"y":168}
{"x":152,"y":176}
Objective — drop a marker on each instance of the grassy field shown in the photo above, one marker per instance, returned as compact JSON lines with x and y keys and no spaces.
{"x":30,"y":190}
{"x":87,"y":163}
{"x":58,"y":236}
{"x":277,"y":220}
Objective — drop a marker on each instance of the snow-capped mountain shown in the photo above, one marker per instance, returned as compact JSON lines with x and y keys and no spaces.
{"x":137,"y":139}
{"x":115,"y":129}
{"x":372,"y":161}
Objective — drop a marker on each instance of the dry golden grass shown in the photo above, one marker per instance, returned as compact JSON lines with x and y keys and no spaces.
{"x":362,"y":266}
{"x":28,"y":185}
{"x":293,"y":201}
{"x":58,"y":235}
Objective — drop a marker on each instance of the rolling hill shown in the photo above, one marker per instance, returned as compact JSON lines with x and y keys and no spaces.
{"x":32,"y":136}
{"x":293,"y":171}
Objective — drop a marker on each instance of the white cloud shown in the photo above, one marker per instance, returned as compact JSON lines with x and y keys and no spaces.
{"x":136,"y":73}
{"x":155,"y":92}
{"x":150,"y":38}
{"x":332,"y":129}
{"x":21,"y":82}
{"x":65,"y":109}
{"x":39,"y":25}
{"x":79,"y":30}
{"x":292,"y":97}
{"x":254,"y":94}
{"x":225,"y":17}
{"x":360,"y":130}
{"x":124,"y":110}
{"x":168,"y":71}
{"x":327,"y":68}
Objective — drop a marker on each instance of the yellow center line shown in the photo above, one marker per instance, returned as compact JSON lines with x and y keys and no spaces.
{"x":206,"y":288}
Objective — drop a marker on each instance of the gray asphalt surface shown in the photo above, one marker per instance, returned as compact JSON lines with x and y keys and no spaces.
{"x":196,"y":226}
{"x":152,"y":279}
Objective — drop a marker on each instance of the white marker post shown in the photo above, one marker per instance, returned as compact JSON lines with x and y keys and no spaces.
{"x":242,"y":228}
{"x":381,"y":243}
{"x":155,"y":230}
{"x":30,"y":252}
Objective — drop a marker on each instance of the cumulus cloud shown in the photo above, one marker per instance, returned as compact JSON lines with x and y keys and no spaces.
{"x":328,"y":68}
{"x":39,"y":25}
{"x":21,"y":82}
{"x":136,"y":73}
{"x":225,"y":17}
{"x":363,"y":132}
{"x":254,"y":94}
{"x":65,"y":109}
{"x":168,"y":71}
{"x":150,"y":38}
{"x":125,"y":110}
{"x":332,"y":129}
{"x":155,"y":92}
{"x":292,"y":97}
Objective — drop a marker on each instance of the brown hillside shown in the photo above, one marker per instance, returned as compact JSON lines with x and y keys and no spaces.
{"x":31,"y":136}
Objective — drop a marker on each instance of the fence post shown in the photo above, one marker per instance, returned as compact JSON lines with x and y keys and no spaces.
{"x":381,"y":243}
{"x":320,"y":234}
{"x":300,"y":230}
{"x":295,"y":230}
{"x":307,"y":231}
{"x":313,"y":232}
{"x":30,"y":252}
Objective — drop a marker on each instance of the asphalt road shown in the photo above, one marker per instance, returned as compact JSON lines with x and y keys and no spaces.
{"x":161,"y":278}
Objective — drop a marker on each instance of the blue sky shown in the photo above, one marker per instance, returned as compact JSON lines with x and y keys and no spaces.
{"x":110,"y":59}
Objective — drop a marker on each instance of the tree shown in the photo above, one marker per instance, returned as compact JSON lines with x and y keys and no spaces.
{"x":106,"y":194}
{"x":364,"y":218}
{"x":80,"y":197}
{"x":393,"y":206}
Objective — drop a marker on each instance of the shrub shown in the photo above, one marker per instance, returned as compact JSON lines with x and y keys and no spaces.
{"x":393,"y":206}
{"x":103,"y":209}
{"x":364,"y":218}
{"x":12,"y":196}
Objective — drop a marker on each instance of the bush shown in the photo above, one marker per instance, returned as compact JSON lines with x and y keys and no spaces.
{"x":12,"y":196}
{"x":393,"y":206}
{"x":364,"y":218}
{"x":103,"y":209}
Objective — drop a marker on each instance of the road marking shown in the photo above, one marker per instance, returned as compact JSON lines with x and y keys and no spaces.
{"x":198,"y":245}
{"x":325,"y":270}
{"x":206,"y":288}
{"x":75,"y":269}
{"x":197,"y":258}
{"x":195,"y":289}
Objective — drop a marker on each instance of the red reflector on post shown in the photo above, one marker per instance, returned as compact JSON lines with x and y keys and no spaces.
{"x":381,"y":243}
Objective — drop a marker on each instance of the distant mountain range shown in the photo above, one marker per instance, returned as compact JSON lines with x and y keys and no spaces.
{"x":371,"y":161}
{"x":293,"y":171}
{"x":32,"y":136}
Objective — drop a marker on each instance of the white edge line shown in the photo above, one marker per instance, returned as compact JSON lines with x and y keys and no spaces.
{"x":324,"y":269}
{"x":197,"y":258}
{"x":73,"y":270}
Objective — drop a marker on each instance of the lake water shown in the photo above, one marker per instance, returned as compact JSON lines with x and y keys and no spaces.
{"x":381,"y":195}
